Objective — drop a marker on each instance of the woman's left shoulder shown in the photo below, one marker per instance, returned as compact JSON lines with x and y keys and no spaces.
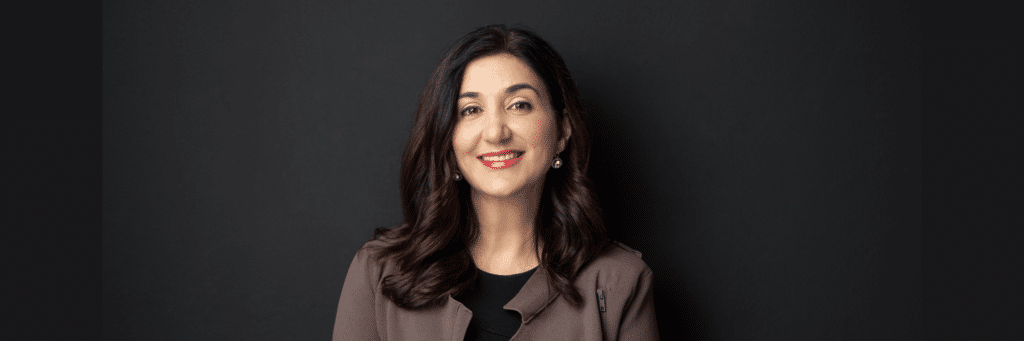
{"x":616,"y":263}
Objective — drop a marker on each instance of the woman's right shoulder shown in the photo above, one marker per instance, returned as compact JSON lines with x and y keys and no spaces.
{"x":368,"y":258}
{"x":375,"y":245}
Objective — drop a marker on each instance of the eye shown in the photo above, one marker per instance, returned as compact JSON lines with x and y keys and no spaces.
{"x":522,"y":105}
{"x":469,"y":111}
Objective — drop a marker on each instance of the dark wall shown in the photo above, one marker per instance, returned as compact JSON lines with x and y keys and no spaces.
{"x":764,"y":156}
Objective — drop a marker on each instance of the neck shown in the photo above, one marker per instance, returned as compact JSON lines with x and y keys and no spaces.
{"x":505,"y":244}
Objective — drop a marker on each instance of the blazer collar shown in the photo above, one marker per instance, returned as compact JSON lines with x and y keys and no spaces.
{"x":535,"y":295}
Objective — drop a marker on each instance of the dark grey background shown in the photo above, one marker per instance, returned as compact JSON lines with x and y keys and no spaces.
{"x":764,"y":156}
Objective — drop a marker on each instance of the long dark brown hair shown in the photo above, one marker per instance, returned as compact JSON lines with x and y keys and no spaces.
{"x":430,"y":249}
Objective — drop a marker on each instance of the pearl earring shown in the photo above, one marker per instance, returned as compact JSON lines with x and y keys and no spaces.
{"x":557,"y":164}
{"x":458,"y":177}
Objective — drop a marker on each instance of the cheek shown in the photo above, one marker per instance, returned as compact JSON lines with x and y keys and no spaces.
{"x":462,"y":141}
{"x":455,"y":140}
{"x":537,"y":138}
{"x":542,"y":135}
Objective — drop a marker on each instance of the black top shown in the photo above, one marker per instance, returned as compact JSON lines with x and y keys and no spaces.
{"x":486,"y":298}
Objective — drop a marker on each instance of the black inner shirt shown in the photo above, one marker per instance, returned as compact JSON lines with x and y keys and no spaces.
{"x":486,"y":298}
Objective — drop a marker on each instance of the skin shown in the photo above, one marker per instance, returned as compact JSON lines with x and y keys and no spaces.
{"x":493,"y":119}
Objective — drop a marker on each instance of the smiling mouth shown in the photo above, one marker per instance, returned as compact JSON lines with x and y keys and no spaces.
{"x":501,"y":160}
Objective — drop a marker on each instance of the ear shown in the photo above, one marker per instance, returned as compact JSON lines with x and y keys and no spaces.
{"x":566,"y":131}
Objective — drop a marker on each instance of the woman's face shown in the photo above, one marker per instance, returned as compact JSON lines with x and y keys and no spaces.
{"x":506,"y":136}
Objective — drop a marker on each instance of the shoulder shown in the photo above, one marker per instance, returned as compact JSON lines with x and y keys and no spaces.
{"x":620,"y":257}
{"x":370,"y":250}
{"x":374,"y":246}
{"x":616,"y":266}
{"x":367,"y":261}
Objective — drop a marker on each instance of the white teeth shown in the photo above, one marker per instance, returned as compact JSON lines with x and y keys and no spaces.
{"x":508,"y":156}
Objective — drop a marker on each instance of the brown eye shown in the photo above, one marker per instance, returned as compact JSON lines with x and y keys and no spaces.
{"x":469,"y":111}
{"x":522,"y":106}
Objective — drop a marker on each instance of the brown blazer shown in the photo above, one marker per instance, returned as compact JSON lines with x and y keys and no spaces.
{"x":618,"y":304}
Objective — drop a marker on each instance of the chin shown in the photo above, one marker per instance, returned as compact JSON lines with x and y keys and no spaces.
{"x":499,"y":189}
{"x":503,"y":188}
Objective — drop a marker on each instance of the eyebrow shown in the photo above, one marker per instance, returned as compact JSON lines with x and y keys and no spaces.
{"x":509,"y":90}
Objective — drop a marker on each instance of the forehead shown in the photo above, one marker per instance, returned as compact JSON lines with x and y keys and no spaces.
{"x":495,"y":73}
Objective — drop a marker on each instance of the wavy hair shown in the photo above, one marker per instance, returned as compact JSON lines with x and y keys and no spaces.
{"x":430,"y":248}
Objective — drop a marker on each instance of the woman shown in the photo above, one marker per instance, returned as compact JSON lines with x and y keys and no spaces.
{"x":502,"y":235}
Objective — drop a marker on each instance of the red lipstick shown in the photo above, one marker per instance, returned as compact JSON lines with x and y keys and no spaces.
{"x":505,"y":158}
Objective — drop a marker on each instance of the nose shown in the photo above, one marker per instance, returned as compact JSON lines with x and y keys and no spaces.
{"x":497,"y":131}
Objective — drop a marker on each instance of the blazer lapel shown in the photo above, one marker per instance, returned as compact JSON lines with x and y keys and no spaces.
{"x":533,"y":297}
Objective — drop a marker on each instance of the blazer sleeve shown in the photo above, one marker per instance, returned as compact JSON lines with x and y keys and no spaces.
{"x":356,"y":309}
{"x":638,"y":320}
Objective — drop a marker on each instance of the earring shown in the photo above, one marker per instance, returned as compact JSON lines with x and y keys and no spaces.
{"x":557,"y":164}
{"x":458,"y":177}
